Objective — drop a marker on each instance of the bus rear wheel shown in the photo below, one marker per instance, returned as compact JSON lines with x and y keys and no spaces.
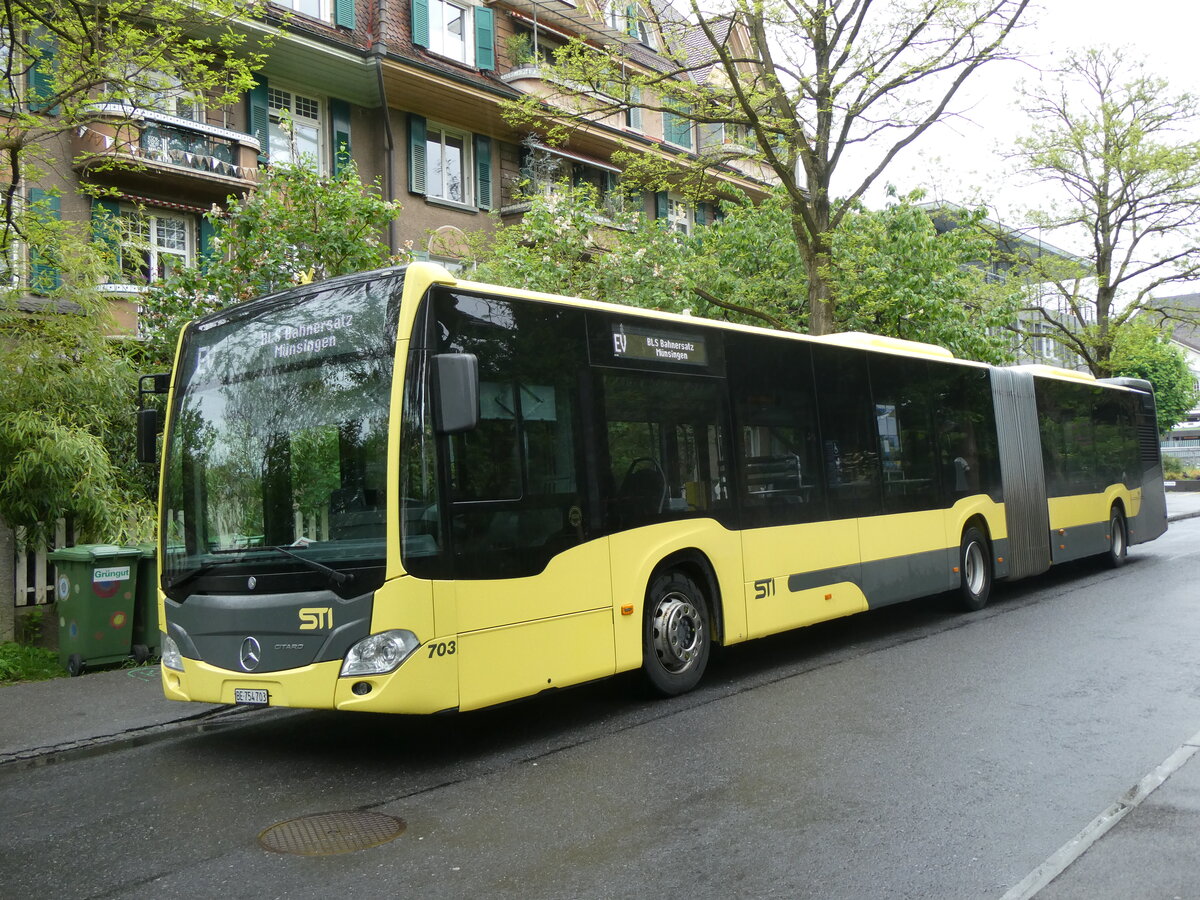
{"x":676,"y":635}
{"x":1118,"y":539}
{"x":975,"y":570}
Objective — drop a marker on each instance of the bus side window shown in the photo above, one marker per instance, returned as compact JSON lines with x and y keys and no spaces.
{"x":667,"y":448}
{"x":776,"y":417}
{"x":850,"y":445}
{"x":904,"y":394}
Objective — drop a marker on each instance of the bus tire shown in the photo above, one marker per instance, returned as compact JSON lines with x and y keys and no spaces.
{"x":676,"y":634}
{"x":1118,"y":539}
{"x":975,"y":570}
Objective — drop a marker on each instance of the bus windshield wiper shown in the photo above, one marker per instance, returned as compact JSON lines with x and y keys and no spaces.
{"x":334,"y":576}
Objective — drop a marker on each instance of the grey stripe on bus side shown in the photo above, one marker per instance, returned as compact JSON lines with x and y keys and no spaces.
{"x":900,"y":578}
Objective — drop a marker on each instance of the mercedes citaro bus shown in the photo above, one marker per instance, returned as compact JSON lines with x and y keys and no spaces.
{"x":404,"y":492}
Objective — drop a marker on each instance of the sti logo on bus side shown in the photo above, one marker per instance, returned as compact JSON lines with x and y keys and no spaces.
{"x":314,"y":617}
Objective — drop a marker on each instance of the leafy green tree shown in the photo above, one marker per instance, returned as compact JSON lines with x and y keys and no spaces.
{"x":65,"y":64}
{"x":897,"y":275}
{"x":67,"y":408}
{"x":783,"y":89}
{"x":296,"y":227}
{"x":1111,"y":138}
{"x":1142,"y":350}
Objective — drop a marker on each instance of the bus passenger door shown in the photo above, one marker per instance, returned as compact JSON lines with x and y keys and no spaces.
{"x":531,"y":583}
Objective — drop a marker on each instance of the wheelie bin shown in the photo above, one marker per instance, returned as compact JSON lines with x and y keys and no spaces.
{"x":145,"y":637}
{"x":95,"y":589}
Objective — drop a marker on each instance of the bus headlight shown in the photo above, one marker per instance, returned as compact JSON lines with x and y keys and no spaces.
{"x":379,"y":653}
{"x":171,"y":657}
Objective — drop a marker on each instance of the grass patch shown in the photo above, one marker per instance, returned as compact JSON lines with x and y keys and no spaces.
{"x":22,"y":663}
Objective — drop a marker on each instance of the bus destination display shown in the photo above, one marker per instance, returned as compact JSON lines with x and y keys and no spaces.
{"x":632,"y":342}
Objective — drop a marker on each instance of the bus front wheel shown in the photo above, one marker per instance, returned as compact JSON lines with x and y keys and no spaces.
{"x":975,"y":570}
{"x":676,"y":635}
{"x":1118,"y":539}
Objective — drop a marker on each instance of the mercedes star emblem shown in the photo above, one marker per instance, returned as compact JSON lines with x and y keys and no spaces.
{"x":251,"y":654}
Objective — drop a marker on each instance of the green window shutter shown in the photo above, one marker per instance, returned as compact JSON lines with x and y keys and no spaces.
{"x":106,"y":230}
{"x":208,"y":252}
{"x":701,"y":214}
{"x":485,"y":38}
{"x":677,"y":130}
{"x":339,"y":112}
{"x":343,"y":13}
{"x":483,"y":171}
{"x":260,"y":120}
{"x":44,"y":274}
{"x":660,"y":205}
{"x":41,"y":74}
{"x":632,"y":14}
{"x":416,"y":153}
{"x":420,"y":22}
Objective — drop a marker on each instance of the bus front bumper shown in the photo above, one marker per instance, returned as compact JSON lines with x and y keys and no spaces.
{"x":424,"y":683}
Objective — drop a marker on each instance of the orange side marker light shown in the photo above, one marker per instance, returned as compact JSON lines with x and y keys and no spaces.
{"x":627,"y":609}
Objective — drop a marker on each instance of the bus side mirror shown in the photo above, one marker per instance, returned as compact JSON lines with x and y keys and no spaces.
{"x":149,"y":423}
{"x":147,"y":435}
{"x":455,"y":392}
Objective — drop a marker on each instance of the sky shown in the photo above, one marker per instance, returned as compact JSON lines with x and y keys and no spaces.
{"x":962,"y":161}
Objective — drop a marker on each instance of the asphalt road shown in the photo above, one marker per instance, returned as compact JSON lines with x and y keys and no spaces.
{"x":911,"y":752}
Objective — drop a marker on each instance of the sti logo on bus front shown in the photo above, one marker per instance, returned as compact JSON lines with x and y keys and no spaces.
{"x":314,"y":617}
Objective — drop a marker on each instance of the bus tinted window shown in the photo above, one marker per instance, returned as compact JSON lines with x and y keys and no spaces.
{"x":968,"y":447}
{"x":666,"y":444}
{"x":907,"y":395}
{"x":780,"y":448}
{"x":515,"y":493}
{"x":849,"y":448}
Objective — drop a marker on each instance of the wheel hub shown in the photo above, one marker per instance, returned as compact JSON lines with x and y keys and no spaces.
{"x":973,"y":568}
{"x":678,"y":632}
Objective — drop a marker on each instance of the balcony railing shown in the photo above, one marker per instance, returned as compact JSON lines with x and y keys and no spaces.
{"x":169,"y":147}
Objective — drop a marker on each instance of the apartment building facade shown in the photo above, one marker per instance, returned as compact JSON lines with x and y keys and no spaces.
{"x":412,"y":91}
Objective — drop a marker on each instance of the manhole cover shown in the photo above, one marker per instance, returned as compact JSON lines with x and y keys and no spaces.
{"x":328,"y":833}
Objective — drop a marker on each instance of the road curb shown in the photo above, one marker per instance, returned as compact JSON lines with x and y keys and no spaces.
{"x":133,"y":737}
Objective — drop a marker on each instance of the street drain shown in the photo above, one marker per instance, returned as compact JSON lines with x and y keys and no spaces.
{"x":327,"y":833}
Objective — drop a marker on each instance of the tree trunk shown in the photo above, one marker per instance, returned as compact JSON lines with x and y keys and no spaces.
{"x":820,"y":298}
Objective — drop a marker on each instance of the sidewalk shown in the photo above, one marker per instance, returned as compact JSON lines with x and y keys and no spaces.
{"x":98,"y":708}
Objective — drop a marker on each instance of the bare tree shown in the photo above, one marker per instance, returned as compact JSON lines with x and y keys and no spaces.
{"x":794,"y":87}
{"x":1117,"y":146}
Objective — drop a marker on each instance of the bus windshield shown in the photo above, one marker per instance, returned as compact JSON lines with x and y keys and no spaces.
{"x":279,"y":432}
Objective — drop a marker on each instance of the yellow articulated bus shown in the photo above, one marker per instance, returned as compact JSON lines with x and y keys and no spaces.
{"x":403,"y":492}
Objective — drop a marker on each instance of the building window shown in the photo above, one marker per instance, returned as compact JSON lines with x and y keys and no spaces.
{"x":154,"y":244}
{"x":449,"y":25}
{"x":447,"y":165}
{"x":677,"y":130}
{"x":10,"y":260}
{"x":679,"y":214}
{"x":295,"y":128}
{"x":317,"y":9}
{"x":165,"y":93}
{"x":633,"y":114}
{"x":10,"y":76}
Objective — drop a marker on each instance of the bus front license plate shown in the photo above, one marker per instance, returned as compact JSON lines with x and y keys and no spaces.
{"x":250,"y":697}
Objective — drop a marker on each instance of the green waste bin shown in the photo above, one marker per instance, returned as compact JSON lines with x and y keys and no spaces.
{"x":145,"y":614}
{"x":96,"y":590}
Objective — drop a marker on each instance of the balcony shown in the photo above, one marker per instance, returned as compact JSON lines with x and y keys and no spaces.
{"x":156,"y":151}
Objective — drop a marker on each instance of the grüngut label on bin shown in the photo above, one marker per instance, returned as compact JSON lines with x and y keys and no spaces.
{"x":110,"y":573}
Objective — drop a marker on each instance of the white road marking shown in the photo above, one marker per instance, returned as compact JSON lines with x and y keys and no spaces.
{"x":1058,"y":861}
